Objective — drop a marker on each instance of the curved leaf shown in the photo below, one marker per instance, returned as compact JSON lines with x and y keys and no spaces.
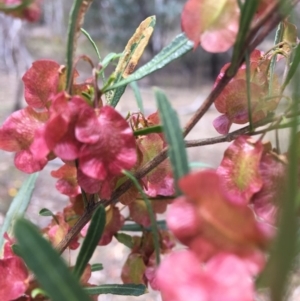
{"x":174,"y":137}
{"x":285,"y":244}
{"x":134,"y":86}
{"x":88,"y":36}
{"x":131,"y":56}
{"x":91,"y":240}
{"x":49,"y":268}
{"x":125,"y":239}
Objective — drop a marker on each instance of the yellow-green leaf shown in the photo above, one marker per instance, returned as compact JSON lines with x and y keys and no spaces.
{"x":131,"y":56}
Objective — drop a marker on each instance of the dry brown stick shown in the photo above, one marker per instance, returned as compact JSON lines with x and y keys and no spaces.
{"x":269,"y":14}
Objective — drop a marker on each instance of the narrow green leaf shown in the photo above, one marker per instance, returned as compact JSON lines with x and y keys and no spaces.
{"x":118,"y":289}
{"x":151,"y":215}
{"x":106,"y":61}
{"x":46,"y":212}
{"x":88,"y":36}
{"x":138,"y":97}
{"x":149,"y":130}
{"x":18,"y":206}
{"x":137,"y":228}
{"x":174,"y":137}
{"x":37,"y":291}
{"x":91,"y":240}
{"x":194,"y":165}
{"x":124,"y":239}
{"x":96,"y":267}
{"x":285,"y":243}
{"x":247,"y":13}
{"x":49,"y":268}
{"x":177,"y":48}
{"x":284,"y":247}
{"x":131,"y":56}
{"x":109,"y":58}
{"x":293,"y":68}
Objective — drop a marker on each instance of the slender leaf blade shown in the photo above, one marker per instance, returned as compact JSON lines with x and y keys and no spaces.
{"x":118,"y":289}
{"x":88,"y":36}
{"x":178,"y":47}
{"x":293,"y":68}
{"x":49,"y":268}
{"x":247,"y":13}
{"x":46,"y":212}
{"x":285,"y":244}
{"x":133,"y":227}
{"x":125,"y":239}
{"x":91,"y":240}
{"x":96,"y":267}
{"x":149,"y":130}
{"x":174,"y":137}
{"x":138,"y":97}
{"x":18,"y":206}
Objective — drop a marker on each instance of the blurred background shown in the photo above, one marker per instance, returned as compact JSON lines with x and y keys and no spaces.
{"x":187,"y":82}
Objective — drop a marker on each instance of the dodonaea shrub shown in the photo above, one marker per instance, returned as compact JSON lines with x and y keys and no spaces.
{"x":237,"y":224}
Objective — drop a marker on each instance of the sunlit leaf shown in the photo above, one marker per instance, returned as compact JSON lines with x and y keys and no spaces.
{"x":137,"y":228}
{"x":178,"y":47}
{"x":131,"y":56}
{"x":124,"y":239}
{"x":247,"y":13}
{"x":118,"y":289}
